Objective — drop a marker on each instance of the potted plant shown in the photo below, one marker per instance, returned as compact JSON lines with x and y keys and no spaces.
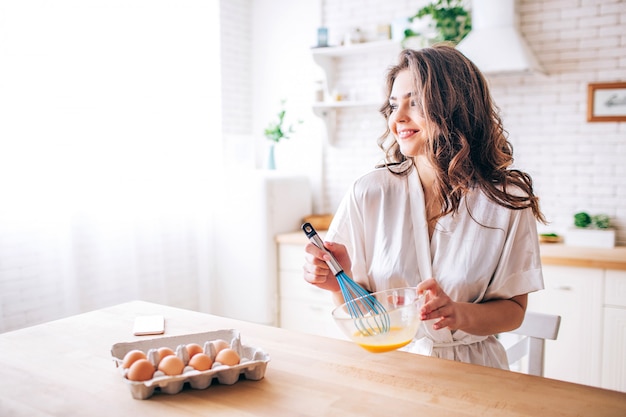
{"x":591,"y":231}
{"x":276,"y":131}
{"x":452,"y":22}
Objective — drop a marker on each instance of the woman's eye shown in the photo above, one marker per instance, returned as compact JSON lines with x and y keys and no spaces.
{"x":393,"y":107}
{"x":413,"y":103}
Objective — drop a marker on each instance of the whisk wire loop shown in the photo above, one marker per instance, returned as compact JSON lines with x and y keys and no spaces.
{"x":370,"y":315}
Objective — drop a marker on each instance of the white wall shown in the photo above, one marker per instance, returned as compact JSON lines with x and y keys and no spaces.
{"x":236,"y":65}
{"x":265,"y":52}
{"x":283,"y":32}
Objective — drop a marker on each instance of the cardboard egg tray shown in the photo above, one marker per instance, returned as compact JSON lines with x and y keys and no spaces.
{"x":252,"y":364}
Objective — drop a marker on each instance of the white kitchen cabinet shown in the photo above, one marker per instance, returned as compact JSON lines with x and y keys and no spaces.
{"x":302,"y":306}
{"x":374,"y":57}
{"x":614,"y":341}
{"x":576,"y":294}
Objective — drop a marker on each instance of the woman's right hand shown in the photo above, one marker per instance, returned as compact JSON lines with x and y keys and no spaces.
{"x":317,"y":271}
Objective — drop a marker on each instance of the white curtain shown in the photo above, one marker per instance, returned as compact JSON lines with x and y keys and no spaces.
{"x":109,"y":135}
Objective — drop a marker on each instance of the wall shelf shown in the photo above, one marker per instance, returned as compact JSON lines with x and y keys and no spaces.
{"x":357,"y":48}
{"x":327,"y":58}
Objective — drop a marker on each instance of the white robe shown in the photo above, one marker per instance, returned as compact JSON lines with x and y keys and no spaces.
{"x":382,"y":222}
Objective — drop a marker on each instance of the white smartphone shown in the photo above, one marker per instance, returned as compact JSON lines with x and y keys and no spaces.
{"x":145,"y":325}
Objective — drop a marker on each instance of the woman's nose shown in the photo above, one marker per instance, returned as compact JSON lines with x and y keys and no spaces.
{"x":401,"y":114}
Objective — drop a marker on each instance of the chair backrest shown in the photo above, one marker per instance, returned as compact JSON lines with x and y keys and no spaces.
{"x":535,"y":329}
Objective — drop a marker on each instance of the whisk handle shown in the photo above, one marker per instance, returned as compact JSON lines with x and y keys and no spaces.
{"x":311,"y":233}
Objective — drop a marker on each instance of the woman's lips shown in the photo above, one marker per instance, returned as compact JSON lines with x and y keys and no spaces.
{"x":406,"y":133}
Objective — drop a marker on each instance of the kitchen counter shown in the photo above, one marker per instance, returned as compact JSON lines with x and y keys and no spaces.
{"x":564,"y":255}
{"x":64,"y":368}
{"x":551,"y":253}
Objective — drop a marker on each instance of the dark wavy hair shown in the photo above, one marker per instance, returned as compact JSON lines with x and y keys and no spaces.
{"x":468,"y":146}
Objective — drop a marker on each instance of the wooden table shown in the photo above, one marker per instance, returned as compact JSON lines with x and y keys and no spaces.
{"x":64,"y":368}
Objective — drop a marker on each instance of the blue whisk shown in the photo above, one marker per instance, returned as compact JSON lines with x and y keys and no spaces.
{"x":370,"y":316}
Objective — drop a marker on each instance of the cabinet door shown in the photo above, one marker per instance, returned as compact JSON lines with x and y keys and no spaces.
{"x":576,"y":295}
{"x":302,"y":306}
{"x":306,"y":315}
{"x":614,"y":346}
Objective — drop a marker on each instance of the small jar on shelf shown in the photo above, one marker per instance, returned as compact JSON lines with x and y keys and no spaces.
{"x":318,"y":93}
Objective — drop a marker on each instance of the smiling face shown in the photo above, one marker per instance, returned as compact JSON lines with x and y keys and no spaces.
{"x":406,"y":122}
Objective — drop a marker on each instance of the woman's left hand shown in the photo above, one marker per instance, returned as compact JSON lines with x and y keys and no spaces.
{"x":481,"y":319}
{"x":438,"y":305}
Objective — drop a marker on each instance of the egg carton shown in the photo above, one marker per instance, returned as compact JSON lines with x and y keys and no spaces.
{"x":252,"y":364}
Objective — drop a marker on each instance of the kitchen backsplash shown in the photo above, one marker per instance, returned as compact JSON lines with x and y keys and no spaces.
{"x":576,"y":165}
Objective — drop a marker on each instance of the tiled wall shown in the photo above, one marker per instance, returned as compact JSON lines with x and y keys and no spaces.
{"x":576,"y":165}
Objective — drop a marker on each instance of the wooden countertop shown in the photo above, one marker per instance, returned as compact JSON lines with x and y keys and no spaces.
{"x":64,"y":368}
{"x":560,"y":254}
{"x":551,"y":253}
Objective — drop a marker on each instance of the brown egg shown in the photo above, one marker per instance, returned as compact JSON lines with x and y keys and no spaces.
{"x":140,"y":370}
{"x":194,"y":349}
{"x":171,"y":365}
{"x":227,"y":357}
{"x":220,"y":344}
{"x":201,"y":362}
{"x":132,"y":356}
{"x":165,"y":351}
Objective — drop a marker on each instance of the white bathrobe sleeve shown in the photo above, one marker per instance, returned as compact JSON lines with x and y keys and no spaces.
{"x":519,"y":266}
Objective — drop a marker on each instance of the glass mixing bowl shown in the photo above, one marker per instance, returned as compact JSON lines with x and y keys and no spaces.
{"x":386,"y":331}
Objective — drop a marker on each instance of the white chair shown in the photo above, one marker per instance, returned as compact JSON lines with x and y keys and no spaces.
{"x":535,"y":329}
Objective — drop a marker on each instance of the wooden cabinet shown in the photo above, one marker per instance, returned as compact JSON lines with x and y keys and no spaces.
{"x":576,"y":295}
{"x":614,"y":340}
{"x":302,"y":306}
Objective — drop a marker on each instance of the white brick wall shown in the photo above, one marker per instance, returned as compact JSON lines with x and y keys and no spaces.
{"x":235,"y":66}
{"x":576,"y":165}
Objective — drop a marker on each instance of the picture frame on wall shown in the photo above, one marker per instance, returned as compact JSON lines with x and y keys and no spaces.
{"x":606,"y":102}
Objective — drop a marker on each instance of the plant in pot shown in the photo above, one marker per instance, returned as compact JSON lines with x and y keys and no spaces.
{"x":441,"y":20}
{"x":276,"y":131}
{"x":591,"y":231}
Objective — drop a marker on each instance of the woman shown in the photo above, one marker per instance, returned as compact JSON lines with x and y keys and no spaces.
{"x":445,"y":213}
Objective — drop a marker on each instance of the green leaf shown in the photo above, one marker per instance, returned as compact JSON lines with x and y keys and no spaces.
{"x":601,"y":221}
{"x":582,"y":219}
{"x":452,"y":21}
{"x":275,"y":130}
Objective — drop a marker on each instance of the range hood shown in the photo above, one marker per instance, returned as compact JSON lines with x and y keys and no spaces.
{"x":495,"y":43}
